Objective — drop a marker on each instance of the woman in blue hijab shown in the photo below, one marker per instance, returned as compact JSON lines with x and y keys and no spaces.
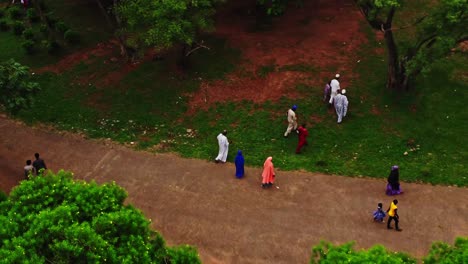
{"x":239,"y":161}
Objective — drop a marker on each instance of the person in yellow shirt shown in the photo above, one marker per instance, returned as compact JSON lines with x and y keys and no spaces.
{"x":393,"y":215}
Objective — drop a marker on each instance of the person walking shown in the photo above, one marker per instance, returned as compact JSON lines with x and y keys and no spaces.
{"x":292,"y":120}
{"x":341,"y":105}
{"x":393,"y":181}
{"x":393,"y":215}
{"x":39,"y":164}
{"x":239,"y":161}
{"x":379,"y":214}
{"x":303,"y":133}
{"x":223,"y":147}
{"x":268,"y":174}
{"x":28,"y":169}
{"x":335,"y":86}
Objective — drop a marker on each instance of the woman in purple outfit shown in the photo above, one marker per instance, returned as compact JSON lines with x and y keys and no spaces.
{"x":393,"y":185}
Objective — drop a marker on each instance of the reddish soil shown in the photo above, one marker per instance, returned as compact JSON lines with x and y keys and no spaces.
{"x":235,"y":221}
{"x":322,"y":34}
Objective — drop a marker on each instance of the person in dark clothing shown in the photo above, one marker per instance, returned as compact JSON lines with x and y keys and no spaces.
{"x":393,"y":185}
{"x":39,"y":164}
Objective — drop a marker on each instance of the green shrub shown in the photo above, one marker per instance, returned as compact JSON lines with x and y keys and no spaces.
{"x":3,"y":196}
{"x":51,"y":20}
{"x":4,"y":25}
{"x":53,"y":47}
{"x":31,"y":14}
{"x":29,"y":46}
{"x":44,"y":29}
{"x":18,"y":27}
{"x":15,"y":12}
{"x":2,"y":13}
{"x":61,"y":27}
{"x":443,"y":253}
{"x":28,"y":34}
{"x":71,"y":36}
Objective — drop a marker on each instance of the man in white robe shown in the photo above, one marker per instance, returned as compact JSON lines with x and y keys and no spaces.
{"x":223,"y":147}
{"x":335,"y":86}
{"x":341,"y":105}
{"x":292,"y":120}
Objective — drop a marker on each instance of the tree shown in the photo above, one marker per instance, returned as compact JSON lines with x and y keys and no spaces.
{"x":327,"y":253}
{"x":165,"y":23}
{"x":443,"y":253}
{"x":16,"y":89}
{"x":439,"y":30}
{"x":54,"y":219}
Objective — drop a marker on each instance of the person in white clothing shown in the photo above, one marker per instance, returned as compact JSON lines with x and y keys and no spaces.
{"x":292,"y":120}
{"x":341,"y":105}
{"x":223,"y":147}
{"x":335,"y":86}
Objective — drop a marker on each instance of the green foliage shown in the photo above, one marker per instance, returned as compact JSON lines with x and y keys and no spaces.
{"x":2,"y":13}
{"x":264,"y":70}
{"x":274,"y":7}
{"x":53,"y":47}
{"x":28,"y":34}
{"x":54,"y":219}
{"x":3,"y":196}
{"x":4,"y":25}
{"x":29,"y":46}
{"x":61,"y":27}
{"x":44,"y":30}
{"x":17,"y":91}
{"x":18,"y":27}
{"x":326,"y":252}
{"x":32,"y":15}
{"x":51,"y":19}
{"x":442,"y":253}
{"x":71,"y":36}
{"x":165,"y":23}
{"x":15,"y":12}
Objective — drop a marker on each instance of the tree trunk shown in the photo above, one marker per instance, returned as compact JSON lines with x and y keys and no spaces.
{"x":114,"y":26}
{"x":395,"y":73}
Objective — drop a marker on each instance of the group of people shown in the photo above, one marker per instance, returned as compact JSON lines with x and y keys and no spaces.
{"x":337,"y":97}
{"x":34,"y":168}
{"x":300,"y":131}
{"x":393,"y":188}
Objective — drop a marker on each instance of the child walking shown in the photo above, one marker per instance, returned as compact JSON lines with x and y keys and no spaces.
{"x":379,"y":214}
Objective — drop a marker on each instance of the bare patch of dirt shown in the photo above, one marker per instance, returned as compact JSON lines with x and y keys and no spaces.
{"x":323,"y":34}
{"x":70,"y":61}
{"x":375,"y":111}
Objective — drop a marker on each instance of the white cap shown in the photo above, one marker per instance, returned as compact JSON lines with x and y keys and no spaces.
{"x":343,"y":91}
{"x":337,"y":75}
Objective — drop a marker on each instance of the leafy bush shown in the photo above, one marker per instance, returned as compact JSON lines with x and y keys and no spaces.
{"x":51,"y":20}
{"x":29,"y":46}
{"x":18,"y":27}
{"x":53,"y":47}
{"x":31,"y":14}
{"x":79,"y":222}
{"x":3,"y":196}
{"x":4,"y":25}
{"x":28,"y":34}
{"x":2,"y":13}
{"x":71,"y":36}
{"x":16,"y":89}
{"x":15,"y":12}
{"x":442,"y":253}
{"x":61,"y":27}
{"x":327,"y":253}
{"x":44,"y":30}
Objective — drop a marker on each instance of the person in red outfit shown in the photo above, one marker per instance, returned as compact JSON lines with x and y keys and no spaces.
{"x":303,"y":133}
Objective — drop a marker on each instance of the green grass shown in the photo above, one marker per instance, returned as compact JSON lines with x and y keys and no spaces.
{"x":149,"y":107}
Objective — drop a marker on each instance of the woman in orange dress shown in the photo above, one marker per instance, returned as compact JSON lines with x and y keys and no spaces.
{"x":268,"y":174}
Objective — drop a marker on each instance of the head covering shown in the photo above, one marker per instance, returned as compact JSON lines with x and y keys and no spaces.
{"x":294,"y":107}
{"x":394,"y":177}
{"x":224,"y":132}
{"x":395,"y":167}
{"x":343,"y":91}
{"x":268,"y":160}
{"x":337,"y":75}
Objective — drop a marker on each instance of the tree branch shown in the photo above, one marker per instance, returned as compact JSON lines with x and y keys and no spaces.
{"x":199,"y":46}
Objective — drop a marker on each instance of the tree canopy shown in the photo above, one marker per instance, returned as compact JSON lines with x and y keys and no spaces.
{"x":436,"y":32}
{"x":54,"y":219}
{"x":16,"y":88}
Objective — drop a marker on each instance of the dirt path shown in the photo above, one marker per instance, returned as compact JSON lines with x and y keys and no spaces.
{"x":235,"y":221}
